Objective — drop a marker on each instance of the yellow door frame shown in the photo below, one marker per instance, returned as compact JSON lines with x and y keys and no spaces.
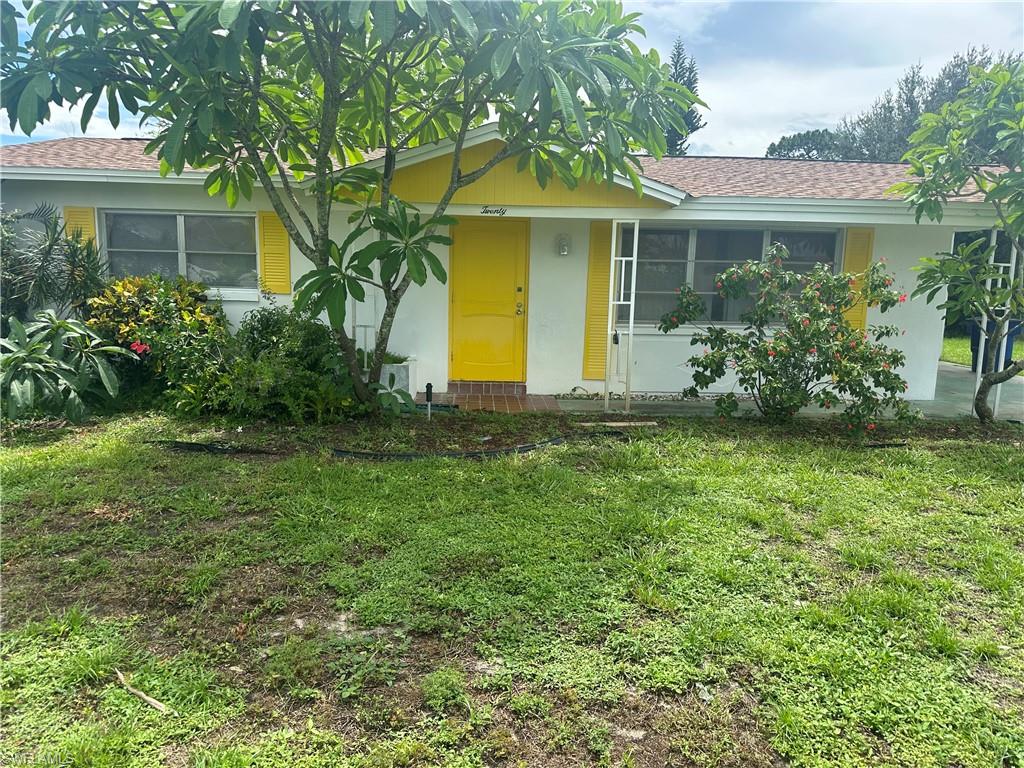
{"x":453,"y":233}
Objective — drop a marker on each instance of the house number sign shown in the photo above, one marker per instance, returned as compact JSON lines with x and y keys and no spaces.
{"x":488,"y":210}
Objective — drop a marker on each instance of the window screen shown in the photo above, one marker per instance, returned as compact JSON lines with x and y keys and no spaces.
{"x":717,"y":250}
{"x":142,"y":244}
{"x":660,"y":270}
{"x":807,"y":249}
{"x":219,"y":251}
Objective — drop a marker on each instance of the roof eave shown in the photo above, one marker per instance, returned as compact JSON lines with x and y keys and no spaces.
{"x":33,"y":173}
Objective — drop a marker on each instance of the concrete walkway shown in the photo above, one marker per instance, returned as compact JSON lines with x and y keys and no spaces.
{"x":954,"y":394}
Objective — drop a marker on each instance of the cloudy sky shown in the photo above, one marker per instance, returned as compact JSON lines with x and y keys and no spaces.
{"x":771,"y":68}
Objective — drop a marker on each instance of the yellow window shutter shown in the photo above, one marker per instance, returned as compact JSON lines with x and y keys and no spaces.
{"x":275,"y":254}
{"x":82,"y":220}
{"x":860,"y":241}
{"x":595,"y":330}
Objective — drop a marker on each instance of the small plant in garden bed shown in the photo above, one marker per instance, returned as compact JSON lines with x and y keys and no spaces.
{"x":799,"y":347}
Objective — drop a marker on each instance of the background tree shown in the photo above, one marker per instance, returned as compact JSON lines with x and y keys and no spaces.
{"x":269,"y":95}
{"x":821,"y":144}
{"x":882,"y":132}
{"x":973,"y":148}
{"x":683,"y":70}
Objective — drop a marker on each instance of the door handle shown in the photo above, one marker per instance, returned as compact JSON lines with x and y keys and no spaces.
{"x":519,"y":307}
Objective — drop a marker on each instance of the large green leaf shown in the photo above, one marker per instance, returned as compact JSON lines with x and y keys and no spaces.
{"x":228,"y":13}
{"x":107,"y":375}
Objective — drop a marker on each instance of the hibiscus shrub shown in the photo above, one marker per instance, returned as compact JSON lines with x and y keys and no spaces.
{"x":798,"y":346}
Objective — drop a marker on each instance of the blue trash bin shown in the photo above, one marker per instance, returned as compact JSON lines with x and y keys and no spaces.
{"x":1015,"y":328}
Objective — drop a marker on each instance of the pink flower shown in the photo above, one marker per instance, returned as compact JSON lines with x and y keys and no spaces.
{"x":903,"y":297}
{"x":718,"y":284}
{"x":805,"y":322}
{"x":871,"y":427}
{"x":138,"y":347}
{"x":771,"y":353}
{"x":813,"y":350}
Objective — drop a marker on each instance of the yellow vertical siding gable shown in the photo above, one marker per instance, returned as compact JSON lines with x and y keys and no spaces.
{"x":595,"y":328}
{"x":275,"y":254}
{"x":860,"y":242}
{"x":81,"y":220}
{"x":503,"y":185}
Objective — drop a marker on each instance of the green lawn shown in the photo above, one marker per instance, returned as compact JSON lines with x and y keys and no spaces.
{"x":957,"y":349}
{"x":702,"y":594}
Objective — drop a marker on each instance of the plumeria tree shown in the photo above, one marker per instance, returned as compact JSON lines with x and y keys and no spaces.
{"x":973,"y":149}
{"x":798,"y":347}
{"x":267,"y":94}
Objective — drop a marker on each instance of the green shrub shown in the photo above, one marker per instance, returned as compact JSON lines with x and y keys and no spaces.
{"x":287,"y":366}
{"x":444,"y":690}
{"x":798,"y":347}
{"x":45,"y":265}
{"x":55,"y":366}
{"x":140,"y":308}
{"x":181,"y":338}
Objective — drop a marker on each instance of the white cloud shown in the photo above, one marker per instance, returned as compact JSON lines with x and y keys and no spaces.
{"x":665,"y":20}
{"x":753,"y":104}
{"x":855,"y":51}
{"x":929,"y":32}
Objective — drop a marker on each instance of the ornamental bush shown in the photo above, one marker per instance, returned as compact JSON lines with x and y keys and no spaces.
{"x":287,"y":365}
{"x":138,"y":308}
{"x":177,"y":334}
{"x":798,"y":346}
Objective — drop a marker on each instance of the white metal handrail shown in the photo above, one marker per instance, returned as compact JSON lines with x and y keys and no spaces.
{"x":618,"y":297}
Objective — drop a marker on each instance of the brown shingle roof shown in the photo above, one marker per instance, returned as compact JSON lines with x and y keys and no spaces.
{"x":81,"y":152}
{"x":88,"y":153}
{"x":770,"y":177}
{"x":697,"y":176}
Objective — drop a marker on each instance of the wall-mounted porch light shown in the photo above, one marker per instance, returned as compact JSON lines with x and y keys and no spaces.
{"x":562,"y":244}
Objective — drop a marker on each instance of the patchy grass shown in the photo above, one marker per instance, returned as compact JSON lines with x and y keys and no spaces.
{"x":700,"y":595}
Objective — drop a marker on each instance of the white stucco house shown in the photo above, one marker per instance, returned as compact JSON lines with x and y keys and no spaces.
{"x":531,"y":270}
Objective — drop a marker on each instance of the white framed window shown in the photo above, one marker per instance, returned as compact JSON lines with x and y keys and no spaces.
{"x":216,"y":249}
{"x":661,"y":267}
{"x":669,"y":257}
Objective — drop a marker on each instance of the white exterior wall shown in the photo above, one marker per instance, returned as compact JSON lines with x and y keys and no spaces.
{"x":902,"y":247}
{"x":557,"y":285}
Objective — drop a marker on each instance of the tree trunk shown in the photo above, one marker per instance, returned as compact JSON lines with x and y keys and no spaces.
{"x":991,"y":376}
{"x":990,"y":380}
{"x":350,"y":354}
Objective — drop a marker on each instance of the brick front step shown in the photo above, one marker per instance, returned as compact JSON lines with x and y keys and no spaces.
{"x":518,"y":389}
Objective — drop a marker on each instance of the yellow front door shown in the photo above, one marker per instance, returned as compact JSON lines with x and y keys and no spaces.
{"x":487,"y":324}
